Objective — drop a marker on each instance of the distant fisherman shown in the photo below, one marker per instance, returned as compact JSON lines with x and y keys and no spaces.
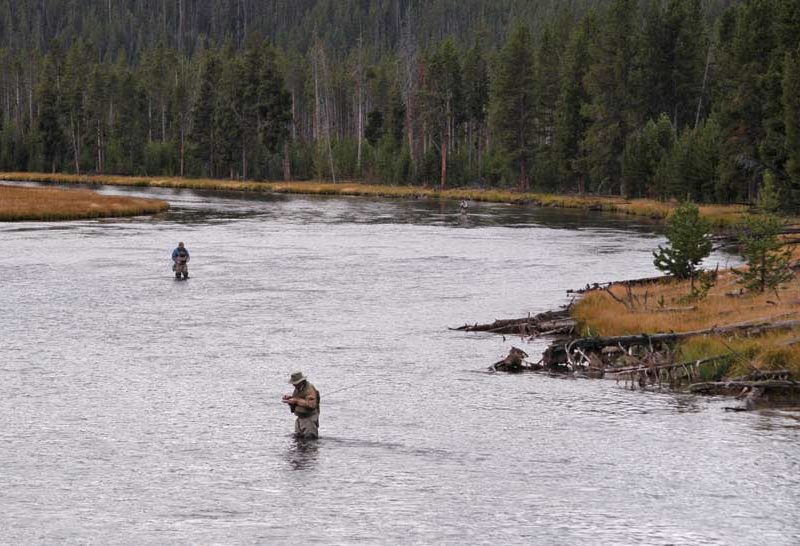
{"x":304,"y":403}
{"x":180,"y":261}
{"x":464,"y":206}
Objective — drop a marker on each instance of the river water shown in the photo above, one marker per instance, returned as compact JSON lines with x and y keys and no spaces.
{"x":140,"y":410}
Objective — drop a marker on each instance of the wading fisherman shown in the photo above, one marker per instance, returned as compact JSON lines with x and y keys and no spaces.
{"x":180,"y":261}
{"x":304,"y":403}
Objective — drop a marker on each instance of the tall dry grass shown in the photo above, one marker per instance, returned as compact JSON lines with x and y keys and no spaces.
{"x":663,"y":307}
{"x":137,"y":181}
{"x":18,"y":203}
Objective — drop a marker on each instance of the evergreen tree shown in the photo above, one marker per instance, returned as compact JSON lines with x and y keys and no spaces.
{"x":129,"y":133}
{"x":791,"y":118}
{"x":374,"y":129}
{"x":674,"y":46}
{"x":204,"y":137}
{"x":611,"y":84}
{"x":513,"y":104}
{"x":690,"y":169}
{"x":98,"y":105}
{"x":444,"y":101}
{"x":476,"y":98}
{"x":73,"y":86}
{"x":275,"y":109}
{"x":769,"y":198}
{"x":248,"y":86}
{"x":747,"y":38}
{"x":396,"y":114}
{"x":645,"y":150}
{"x":571,"y":123}
{"x":229,"y":115}
{"x":547,"y":79}
{"x":688,"y":243}
{"x":51,"y":133}
{"x":766,"y":257}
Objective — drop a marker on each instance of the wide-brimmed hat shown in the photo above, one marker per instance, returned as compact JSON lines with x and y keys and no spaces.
{"x":297,"y":377}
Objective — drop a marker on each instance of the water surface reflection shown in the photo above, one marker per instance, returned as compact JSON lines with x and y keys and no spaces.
{"x":138,"y":410}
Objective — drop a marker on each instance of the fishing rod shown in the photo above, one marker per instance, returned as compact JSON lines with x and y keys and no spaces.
{"x":343,"y":389}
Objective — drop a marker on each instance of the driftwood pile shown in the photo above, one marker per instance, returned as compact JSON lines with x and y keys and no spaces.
{"x":643,"y":353}
{"x":644,"y":360}
{"x":549,"y":323}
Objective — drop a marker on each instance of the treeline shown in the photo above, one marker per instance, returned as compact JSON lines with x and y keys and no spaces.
{"x":675,"y":98}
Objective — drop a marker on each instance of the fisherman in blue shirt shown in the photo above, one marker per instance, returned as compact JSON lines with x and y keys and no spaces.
{"x":180,"y":260}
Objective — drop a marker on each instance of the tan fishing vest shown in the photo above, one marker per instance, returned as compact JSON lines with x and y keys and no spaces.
{"x":308,"y":392}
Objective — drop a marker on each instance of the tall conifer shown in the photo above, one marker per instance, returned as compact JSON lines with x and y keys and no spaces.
{"x":513,"y":104}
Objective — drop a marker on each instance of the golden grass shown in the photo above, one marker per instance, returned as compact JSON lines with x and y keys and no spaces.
{"x":18,"y":203}
{"x":720,"y":215}
{"x":137,"y":181}
{"x":599,"y":314}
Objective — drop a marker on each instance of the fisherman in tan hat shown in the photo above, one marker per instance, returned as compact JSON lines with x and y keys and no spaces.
{"x":304,"y":403}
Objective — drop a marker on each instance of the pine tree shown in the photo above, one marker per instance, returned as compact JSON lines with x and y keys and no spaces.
{"x":548,"y":82}
{"x":769,"y":195}
{"x":674,"y":46}
{"x":611,"y":84}
{"x":791,"y":119}
{"x":766,"y":257}
{"x":228,"y":115}
{"x":51,"y":133}
{"x":98,"y":100}
{"x":645,"y":150}
{"x":444,"y":101}
{"x":747,"y":103}
{"x":204,"y":137}
{"x":248,"y":77}
{"x":688,"y":243}
{"x":690,"y":169}
{"x":75,"y":71}
{"x":513,"y":104}
{"x":571,"y":123}
{"x":476,"y":98}
{"x":275,"y":109}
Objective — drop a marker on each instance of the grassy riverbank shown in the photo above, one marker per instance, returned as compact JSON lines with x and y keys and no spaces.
{"x":720,"y":215}
{"x":661,"y":307}
{"x":18,"y":203}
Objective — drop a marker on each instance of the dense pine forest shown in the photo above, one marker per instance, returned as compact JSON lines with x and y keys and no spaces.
{"x":694,"y":99}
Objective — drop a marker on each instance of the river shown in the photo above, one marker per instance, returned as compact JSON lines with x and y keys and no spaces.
{"x":140,"y":410}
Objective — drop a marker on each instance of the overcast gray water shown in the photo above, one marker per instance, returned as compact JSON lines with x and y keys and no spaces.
{"x":140,"y":410}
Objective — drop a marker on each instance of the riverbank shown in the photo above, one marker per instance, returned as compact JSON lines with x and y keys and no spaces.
{"x":650,"y":333}
{"x":720,"y":216}
{"x":652,"y":308}
{"x":46,"y":204}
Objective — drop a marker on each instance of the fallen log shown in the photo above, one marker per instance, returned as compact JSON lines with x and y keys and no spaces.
{"x":674,"y":309}
{"x":597,"y":343}
{"x":718,"y":386}
{"x":764,"y":374}
{"x":549,"y":320}
{"x":603,"y":285}
{"x":534,"y":328}
{"x":629,"y":370}
{"x":561,"y":352}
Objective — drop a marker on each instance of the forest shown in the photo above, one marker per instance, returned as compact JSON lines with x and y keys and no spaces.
{"x":686,"y":99}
